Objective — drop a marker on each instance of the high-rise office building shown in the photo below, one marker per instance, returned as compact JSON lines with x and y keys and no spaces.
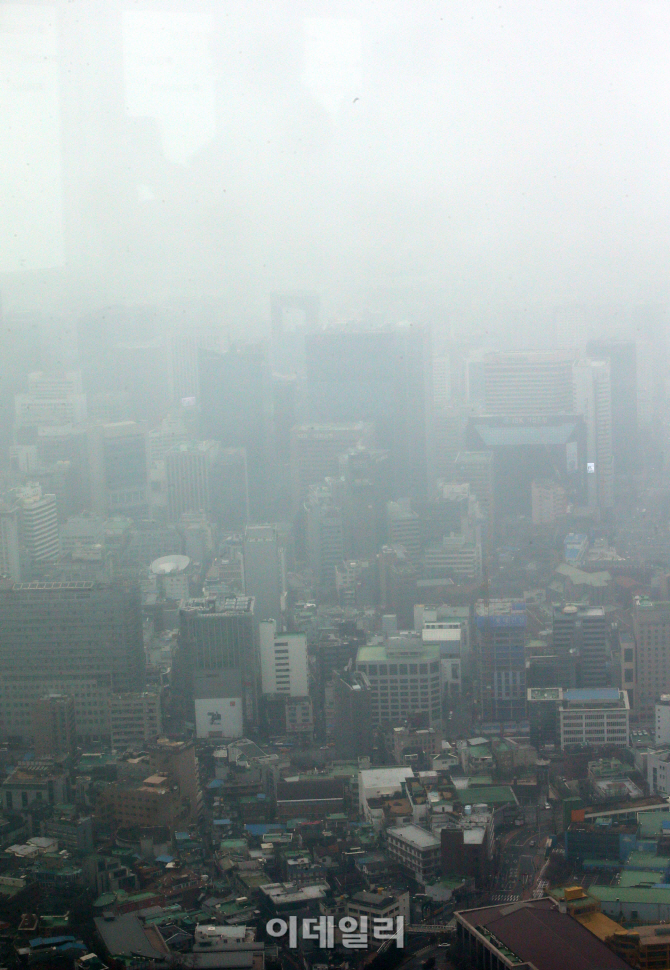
{"x":236,"y":410}
{"x":365,"y":489}
{"x":134,"y":718}
{"x":52,"y":400}
{"x":230,"y":496}
{"x":284,"y":665}
{"x":262,"y":571}
{"x":10,"y":550}
{"x":501,"y":637}
{"x":593,"y":400}
{"x":325,"y":535}
{"x":405,"y":676}
{"x":118,"y":456}
{"x":651,"y":627}
{"x":379,"y":375}
{"x":68,"y":444}
{"x":528,"y":383}
{"x":580,"y":644}
{"x":38,"y":525}
{"x":218,"y":657}
{"x":549,"y":501}
{"x":477,"y":469}
{"x":83,"y":639}
{"x":352,"y":716}
{"x":293,"y":315}
{"x":404,"y":527}
{"x":54,"y":726}
{"x":316,"y":451}
{"x":622,"y":357}
{"x":190,"y":471}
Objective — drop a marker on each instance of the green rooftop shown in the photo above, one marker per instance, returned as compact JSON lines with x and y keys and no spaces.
{"x":489,"y":795}
{"x":379,"y":653}
{"x":631,"y":877}
{"x":612,"y":894}
{"x":647,"y":860}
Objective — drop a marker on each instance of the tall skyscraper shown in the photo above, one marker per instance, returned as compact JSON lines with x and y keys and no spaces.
{"x":118,"y":456}
{"x":501,"y":637}
{"x":190,"y":469}
{"x":284,"y":665}
{"x":379,"y":375}
{"x":316,"y":450}
{"x":651,"y":627}
{"x":82,"y":639}
{"x":622,"y":357}
{"x":593,"y":400}
{"x":38,"y":525}
{"x":52,"y":400}
{"x":528,"y":383}
{"x":353,"y":733}
{"x":477,"y":468}
{"x":262,"y":571}
{"x":54,"y":726}
{"x":325,"y":535}
{"x":10,"y":550}
{"x":218,"y":657}
{"x":236,"y":410}
{"x":293,"y":315}
{"x":580,"y":644}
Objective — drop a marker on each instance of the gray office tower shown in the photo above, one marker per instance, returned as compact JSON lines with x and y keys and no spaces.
{"x":236,"y":410}
{"x":262,"y":571}
{"x":81,"y":639}
{"x":218,"y":655}
{"x":622,"y":357}
{"x":580,"y":642}
{"x":379,"y":375}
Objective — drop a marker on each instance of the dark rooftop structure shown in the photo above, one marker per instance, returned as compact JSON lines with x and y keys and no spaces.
{"x":124,"y":936}
{"x":533,"y":933}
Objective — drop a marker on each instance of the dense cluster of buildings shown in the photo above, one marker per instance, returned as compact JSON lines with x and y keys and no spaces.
{"x":365,"y":631}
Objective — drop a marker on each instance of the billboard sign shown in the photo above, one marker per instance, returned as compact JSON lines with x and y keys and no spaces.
{"x":219,"y":717}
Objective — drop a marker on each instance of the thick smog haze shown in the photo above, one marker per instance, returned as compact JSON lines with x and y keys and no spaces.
{"x":470,"y":165}
{"x":334,"y":485}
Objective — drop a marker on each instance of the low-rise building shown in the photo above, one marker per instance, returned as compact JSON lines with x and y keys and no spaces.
{"x":284,"y":897}
{"x":74,"y":832}
{"x":379,"y":783}
{"x":379,"y":905}
{"x":411,"y":741}
{"x":658,"y":771}
{"x":315,"y":798}
{"x":416,"y":851}
{"x":532,"y":933}
{"x":33,"y":782}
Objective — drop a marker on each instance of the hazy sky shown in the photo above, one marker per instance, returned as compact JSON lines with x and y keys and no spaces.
{"x":478,"y":153}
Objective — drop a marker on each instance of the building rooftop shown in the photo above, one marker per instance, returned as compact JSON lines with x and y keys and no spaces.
{"x":416,"y":836}
{"x":384,"y":778}
{"x":536,"y":933}
{"x":397,"y":648}
{"x":592,"y":695}
{"x":625,"y":894}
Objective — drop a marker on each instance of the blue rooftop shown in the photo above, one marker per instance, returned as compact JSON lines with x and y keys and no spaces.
{"x":591,"y":694}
